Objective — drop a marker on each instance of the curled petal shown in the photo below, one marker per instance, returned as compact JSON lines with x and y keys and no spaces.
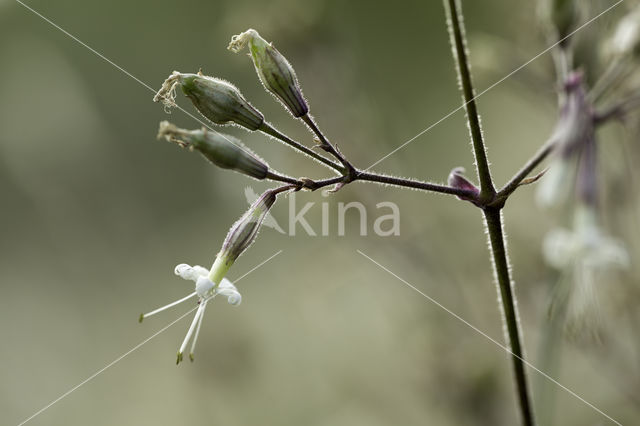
{"x":227,"y":289}
{"x":190,"y":273}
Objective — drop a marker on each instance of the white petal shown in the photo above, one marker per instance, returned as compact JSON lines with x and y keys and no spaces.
{"x":559,"y":248}
{"x":191,"y":273}
{"x":204,"y":286}
{"x":227,"y":289}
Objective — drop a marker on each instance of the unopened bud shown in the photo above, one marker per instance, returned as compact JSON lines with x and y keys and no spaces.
{"x":244,"y":232}
{"x":217,"y":100}
{"x":626,"y":37}
{"x":275,"y":72}
{"x":575,"y":124}
{"x":222,"y":150}
{"x":457,"y":180}
{"x":562,"y":16}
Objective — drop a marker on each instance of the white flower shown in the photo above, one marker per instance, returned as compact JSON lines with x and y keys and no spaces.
{"x":586,"y":254}
{"x":205,"y":290}
{"x":586,"y":245}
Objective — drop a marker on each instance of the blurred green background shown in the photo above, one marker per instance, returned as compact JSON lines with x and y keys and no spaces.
{"x":95,"y":213}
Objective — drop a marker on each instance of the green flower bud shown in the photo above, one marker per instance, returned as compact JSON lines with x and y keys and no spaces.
{"x":275,"y":72}
{"x":222,"y":150}
{"x":217,"y":100}
{"x":244,"y":232}
{"x":562,"y":16}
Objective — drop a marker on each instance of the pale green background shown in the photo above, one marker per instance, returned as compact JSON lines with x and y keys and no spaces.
{"x":95,"y":213}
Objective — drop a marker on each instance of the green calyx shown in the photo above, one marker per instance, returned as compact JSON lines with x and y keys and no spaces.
{"x":217,"y":100}
{"x":275,"y":72}
{"x":224,"y":151}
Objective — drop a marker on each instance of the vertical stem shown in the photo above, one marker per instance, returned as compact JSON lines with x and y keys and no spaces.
{"x":458,"y":42}
{"x":492,"y":214}
{"x":493,"y":217}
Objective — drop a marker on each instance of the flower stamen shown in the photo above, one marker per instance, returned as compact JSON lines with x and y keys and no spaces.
{"x":165,"y":307}
{"x":195,"y":336}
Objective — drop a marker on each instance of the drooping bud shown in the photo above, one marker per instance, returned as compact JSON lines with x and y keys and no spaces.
{"x":575,"y":124}
{"x":243,"y":233}
{"x":457,"y":179}
{"x":626,"y":36}
{"x":587,"y":179}
{"x":224,"y":151}
{"x":275,"y":72}
{"x":217,"y":100}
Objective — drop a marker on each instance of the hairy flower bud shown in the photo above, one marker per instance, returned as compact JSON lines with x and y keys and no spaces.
{"x":217,"y":100}
{"x":244,"y":232}
{"x":222,"y":150}
{"x":275,"y":72}
{"x":457,"y":179}
{"x":575,"y":124}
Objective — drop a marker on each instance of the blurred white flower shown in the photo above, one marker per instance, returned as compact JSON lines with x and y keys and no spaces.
{"x":557,"y":183}
{"x":586,"y":245}
{"x":205,"y":290}
{"x":625,"y":39}
{"x":586,"y":254}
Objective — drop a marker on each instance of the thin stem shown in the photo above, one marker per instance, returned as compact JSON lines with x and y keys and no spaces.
{"x":493,"y":217}
{"x":618,"y":110}
{"x":458,"y":41}
{"x":270,"y":130}
{"x":414,"y":184}
{"x":562,"y":59}
{"x":372,"y":177}
{"x":326,"y":145}
{"x":271,"y":175}
{"x":533,"y":162}
{"x":492,"y":214}
{"x":616,"y":70}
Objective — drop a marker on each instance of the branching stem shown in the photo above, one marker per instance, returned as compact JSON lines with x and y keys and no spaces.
{"x":305,"y":183}
{"x":270,"y":130}
{"x":458,"y":41}
{"x":533,"y":162}
{"x":493,"y":215}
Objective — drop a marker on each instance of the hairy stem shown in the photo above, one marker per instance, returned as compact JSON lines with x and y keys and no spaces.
{"x":375,"y":178}
{"x":533,"y":162}
{"x":327,"y":146}
{"x":277,"y":177}
{"x":493,"y":219}
{"x":271,"y":131}
{"x":414,"y":184}
{"x":492,"y":214}
{"x":458,"y":41}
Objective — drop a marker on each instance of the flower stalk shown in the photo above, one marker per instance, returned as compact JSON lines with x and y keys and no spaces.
{"x":492,"y":215}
